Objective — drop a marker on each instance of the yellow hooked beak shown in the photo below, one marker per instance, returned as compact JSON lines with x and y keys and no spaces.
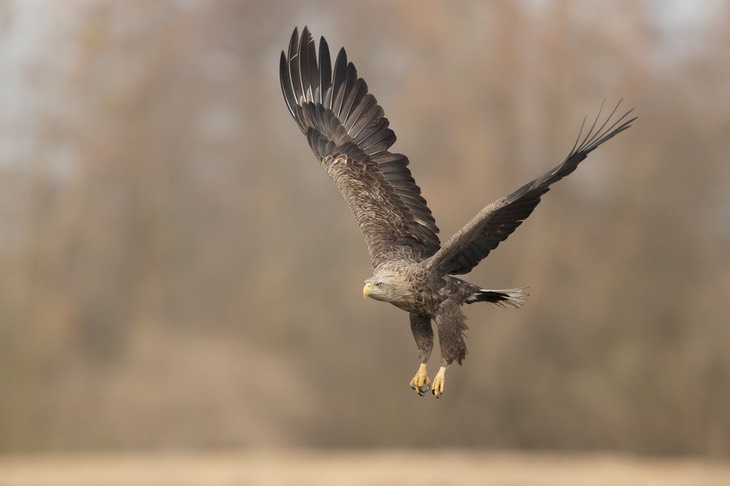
{"x":366,"y":290}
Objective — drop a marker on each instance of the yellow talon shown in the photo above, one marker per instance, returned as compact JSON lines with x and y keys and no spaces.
{"x":438,"y":382}
{"x":420,"y":381}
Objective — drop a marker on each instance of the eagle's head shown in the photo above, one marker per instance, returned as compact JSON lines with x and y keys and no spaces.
{"x":387,"y":287}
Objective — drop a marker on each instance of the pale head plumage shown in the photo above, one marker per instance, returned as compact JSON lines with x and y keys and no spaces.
{"x":388,"y":286}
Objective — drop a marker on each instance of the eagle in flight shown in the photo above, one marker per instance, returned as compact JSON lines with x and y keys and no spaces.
{"x":348,"y":132}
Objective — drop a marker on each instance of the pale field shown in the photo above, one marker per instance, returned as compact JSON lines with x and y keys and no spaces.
{"x":357,"y":468}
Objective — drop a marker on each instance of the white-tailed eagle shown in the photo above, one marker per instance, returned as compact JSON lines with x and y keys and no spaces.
{"x":348,"y":132}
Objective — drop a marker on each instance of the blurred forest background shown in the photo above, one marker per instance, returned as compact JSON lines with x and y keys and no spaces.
{"x":176,"y":271}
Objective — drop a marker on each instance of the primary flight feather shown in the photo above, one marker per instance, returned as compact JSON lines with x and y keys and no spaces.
{"x":348,"y":132}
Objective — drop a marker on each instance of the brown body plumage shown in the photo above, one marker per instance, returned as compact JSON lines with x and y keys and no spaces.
{"x":348,"y":132}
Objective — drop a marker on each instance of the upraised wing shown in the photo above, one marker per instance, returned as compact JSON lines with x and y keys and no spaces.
{"x":497,"y":221}
{"x":348,"y":132}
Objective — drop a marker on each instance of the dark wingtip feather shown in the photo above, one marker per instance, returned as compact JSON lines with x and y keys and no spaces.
{"x":309,"y":68}
{"x":294,"y":40}
{"x":339,"y":81}
{"x":325,"y":70}
{"x":285,"y":80}
{"x":607,"y":130}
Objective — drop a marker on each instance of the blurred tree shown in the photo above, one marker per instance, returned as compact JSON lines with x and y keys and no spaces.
{"x":161,"y":220}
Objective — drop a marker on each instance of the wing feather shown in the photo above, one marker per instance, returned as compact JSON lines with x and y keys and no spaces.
{"x":346,"y":88}
{"x":365,"y":114}
{"x":295,"y":67}
{"x":379,"y":142}
{"x":497,"y":221}
{"x":348,"y":132}
{"x":325,"y":72}
{"x":374,"y":135}
{"x":308,"y":66}
{"x":353,"y":98}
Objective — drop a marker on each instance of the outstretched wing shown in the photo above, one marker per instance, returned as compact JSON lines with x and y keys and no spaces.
{"x":347,"y":131}
{"x":497,"y":221}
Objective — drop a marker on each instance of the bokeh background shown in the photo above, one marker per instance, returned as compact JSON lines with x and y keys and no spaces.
{"x":176,"y":271}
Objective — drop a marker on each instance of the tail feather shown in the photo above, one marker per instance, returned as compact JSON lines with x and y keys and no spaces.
{"x":513,"y":298}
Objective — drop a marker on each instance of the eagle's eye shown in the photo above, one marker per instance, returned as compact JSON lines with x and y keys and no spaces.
{"x":378,"y":284}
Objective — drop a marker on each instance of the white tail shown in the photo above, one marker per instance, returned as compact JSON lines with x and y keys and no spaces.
{"x":504,"y":298}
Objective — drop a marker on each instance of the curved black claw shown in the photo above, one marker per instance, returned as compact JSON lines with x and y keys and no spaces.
{"x":423,"y":389}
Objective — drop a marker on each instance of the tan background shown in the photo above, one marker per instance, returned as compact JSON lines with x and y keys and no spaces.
{"x":176,"y":272}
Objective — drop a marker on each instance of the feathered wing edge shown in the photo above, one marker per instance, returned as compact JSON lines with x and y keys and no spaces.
{"x":333,"y":108}
{"x":492,"y":225}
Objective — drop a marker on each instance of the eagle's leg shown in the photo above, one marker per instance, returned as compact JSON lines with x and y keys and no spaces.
{"x":451,"y":326}
{"x":438,"y":381}
{"x":423,"y":334}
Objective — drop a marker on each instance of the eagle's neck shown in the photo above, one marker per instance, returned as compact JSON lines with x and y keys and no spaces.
{"x":405,"y":284}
